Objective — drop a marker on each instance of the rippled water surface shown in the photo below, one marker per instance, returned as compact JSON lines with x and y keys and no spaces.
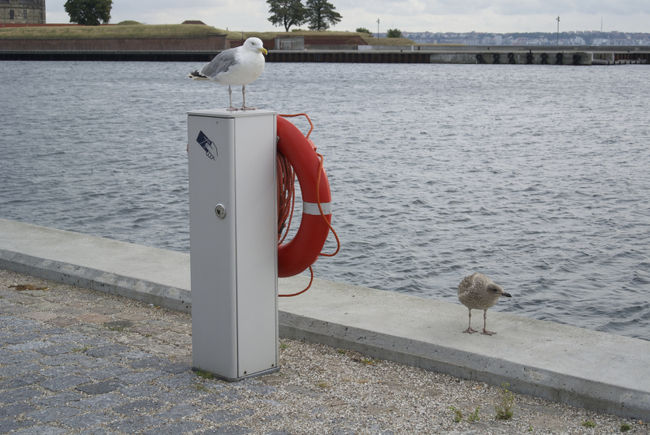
{"x":538,"y":176}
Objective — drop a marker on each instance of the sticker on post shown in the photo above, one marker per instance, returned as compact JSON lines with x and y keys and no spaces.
{"x":208,"y":146}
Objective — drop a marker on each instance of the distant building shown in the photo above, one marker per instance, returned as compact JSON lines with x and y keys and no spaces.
{"x":22,"y":11}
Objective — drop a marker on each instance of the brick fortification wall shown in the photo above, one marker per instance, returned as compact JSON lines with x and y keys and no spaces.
{"x":208,"y":43}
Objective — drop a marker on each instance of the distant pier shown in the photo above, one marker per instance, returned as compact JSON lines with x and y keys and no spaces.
{"x":414,"y":54}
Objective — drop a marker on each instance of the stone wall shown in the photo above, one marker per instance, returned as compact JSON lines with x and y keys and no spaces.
{"x":309,"y":42}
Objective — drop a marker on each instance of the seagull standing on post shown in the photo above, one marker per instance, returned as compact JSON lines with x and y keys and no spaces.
{"x":477,"y":291}
{"x":236,"y":66}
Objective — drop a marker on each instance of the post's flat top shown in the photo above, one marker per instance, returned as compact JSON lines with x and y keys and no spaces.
{"x":225,"y":113}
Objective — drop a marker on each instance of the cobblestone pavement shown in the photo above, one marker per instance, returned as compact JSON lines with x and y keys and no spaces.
{"x":74,"y":360}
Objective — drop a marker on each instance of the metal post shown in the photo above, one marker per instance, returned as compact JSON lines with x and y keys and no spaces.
{"x":233,"y":242}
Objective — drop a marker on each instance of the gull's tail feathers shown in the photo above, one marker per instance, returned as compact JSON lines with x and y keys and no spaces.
{"x":196,"y":75}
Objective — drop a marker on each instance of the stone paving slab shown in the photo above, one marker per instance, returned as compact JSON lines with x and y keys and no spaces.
{"x":134,"y":376}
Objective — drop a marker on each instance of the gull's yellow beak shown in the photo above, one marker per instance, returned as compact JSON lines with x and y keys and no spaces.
{"x":263,"y":50}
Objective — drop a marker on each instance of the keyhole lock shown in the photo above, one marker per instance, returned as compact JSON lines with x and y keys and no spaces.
{"x":220,"y":211}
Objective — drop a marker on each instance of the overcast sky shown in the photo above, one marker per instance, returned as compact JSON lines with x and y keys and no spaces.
{"x":499,"y":16}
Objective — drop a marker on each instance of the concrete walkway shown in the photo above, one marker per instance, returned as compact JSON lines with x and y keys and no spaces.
{"x":585,"y":368}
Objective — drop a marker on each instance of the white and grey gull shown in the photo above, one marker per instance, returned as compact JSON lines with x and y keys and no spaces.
{"x":236,"y":66}
{"x":479,"y":292}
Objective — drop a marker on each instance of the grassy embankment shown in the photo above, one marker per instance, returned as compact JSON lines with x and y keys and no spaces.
{"x":134,"y":30}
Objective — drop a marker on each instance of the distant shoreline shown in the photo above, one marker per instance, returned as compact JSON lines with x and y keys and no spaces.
{"x":193,"y":42}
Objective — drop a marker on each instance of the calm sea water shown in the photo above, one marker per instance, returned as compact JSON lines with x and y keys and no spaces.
{"x":538,"y":176}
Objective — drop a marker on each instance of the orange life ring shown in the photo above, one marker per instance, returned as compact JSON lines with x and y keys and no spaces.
{"x":302,"y":251}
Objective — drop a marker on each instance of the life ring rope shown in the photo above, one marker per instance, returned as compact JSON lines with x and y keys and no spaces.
{"x":286,"y":195}
{"x":321,"y":207}
{"x":311,"y":124}
{"x":286,"y":199}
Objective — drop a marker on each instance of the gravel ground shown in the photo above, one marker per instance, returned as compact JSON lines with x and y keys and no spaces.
{"x":74,"y":360}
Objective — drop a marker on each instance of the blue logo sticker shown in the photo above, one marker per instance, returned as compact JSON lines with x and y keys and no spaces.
{"x":208,"y":146}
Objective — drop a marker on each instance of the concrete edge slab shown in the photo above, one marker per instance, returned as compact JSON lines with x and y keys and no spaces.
{"x":149,"y":292}
{"x":623,"y":400}
{"x":534,"y":381}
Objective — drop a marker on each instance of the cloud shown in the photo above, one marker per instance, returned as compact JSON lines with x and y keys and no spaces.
{"x":408,"y":15}
{"x":494,"y":15}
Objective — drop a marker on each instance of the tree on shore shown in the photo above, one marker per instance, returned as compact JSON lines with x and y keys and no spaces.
{"x":89,"y":12}
{"x":287,"y":13}
{"x":393,"y":33}
{"x":321,"y":14}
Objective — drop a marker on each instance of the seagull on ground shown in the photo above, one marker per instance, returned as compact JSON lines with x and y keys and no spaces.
{"x":479,"y":292}
{"x":236,"y":66}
